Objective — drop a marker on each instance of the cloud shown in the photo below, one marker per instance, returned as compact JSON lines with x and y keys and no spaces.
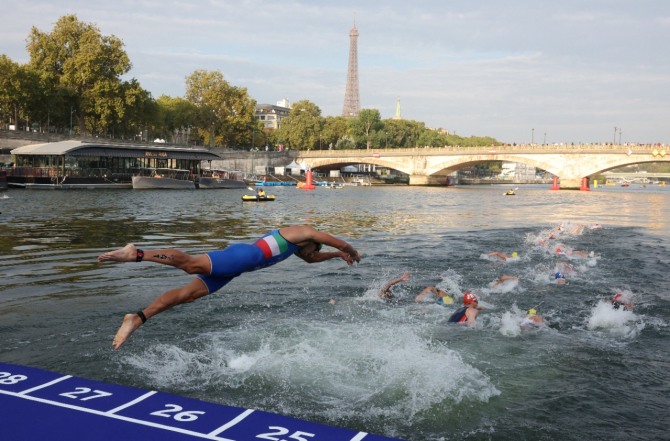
{"x":572,"y":69}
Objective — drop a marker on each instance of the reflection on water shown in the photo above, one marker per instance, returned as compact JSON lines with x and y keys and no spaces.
{"x":273,"y":341}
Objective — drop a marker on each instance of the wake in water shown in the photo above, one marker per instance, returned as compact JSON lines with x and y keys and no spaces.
{"x":355,"y":370}
{"x":365,"y":360}
{"x":615,"y":322}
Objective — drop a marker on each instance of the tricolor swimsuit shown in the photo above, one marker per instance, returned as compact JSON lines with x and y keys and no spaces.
{"x":240,"y":258}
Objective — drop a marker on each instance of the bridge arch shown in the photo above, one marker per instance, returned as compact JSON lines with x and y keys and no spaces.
{"x":570,"y":163}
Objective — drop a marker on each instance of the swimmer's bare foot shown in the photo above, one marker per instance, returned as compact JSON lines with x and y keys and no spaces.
{"x":130,"y":323}
{"x":125,"y":254}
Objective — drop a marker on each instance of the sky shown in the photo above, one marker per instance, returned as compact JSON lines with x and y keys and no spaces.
{"x":520,"y":71}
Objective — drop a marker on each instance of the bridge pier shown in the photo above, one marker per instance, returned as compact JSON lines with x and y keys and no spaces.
{"x":571,"y":184}
{"x":427,"y":180}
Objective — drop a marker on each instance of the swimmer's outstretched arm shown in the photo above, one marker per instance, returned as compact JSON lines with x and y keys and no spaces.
{"x":319,"y":256}
{"x":302,"y":235}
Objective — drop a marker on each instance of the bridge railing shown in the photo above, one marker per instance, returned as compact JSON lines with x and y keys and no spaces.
{"x":484,"y":150}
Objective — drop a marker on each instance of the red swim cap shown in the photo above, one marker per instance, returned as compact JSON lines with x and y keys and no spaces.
{"x":469,"y":297}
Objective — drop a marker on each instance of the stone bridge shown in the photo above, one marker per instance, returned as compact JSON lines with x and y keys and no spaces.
{"x":430,"y":166}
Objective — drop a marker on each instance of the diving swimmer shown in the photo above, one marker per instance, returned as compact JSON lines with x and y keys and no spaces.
{"x":215,"y":269}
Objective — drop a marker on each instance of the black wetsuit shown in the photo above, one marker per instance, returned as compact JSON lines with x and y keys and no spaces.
{"x":459,"y":315}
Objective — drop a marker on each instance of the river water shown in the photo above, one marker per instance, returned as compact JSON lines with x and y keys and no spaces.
{"x":271,"y":340}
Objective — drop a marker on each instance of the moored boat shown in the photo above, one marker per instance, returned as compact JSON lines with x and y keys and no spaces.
{"x":222,"y":179}
{"x":163,"y":178}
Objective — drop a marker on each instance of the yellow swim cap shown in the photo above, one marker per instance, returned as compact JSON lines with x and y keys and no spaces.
{"x":515,"y":254}
{"x":445,"y":300}
{"x":532,"y":311}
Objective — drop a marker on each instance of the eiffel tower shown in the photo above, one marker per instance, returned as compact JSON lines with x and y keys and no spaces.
{"x":352,"y":100}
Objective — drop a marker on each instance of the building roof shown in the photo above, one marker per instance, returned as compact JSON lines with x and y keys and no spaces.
{"x":79,"y":148}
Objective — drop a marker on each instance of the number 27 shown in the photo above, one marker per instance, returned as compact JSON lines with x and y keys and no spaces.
{"x":85,"y":390}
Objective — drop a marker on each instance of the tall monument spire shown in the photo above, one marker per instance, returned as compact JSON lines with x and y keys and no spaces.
{"x":398,"y":115}
{"x":352,"y":100}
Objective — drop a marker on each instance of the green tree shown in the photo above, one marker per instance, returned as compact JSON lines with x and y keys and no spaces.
{"x":176,"y":117}
{"x":140,"y":112}
{"x":302,"y":127}
{"x":431,"y":138}
{"x":77,"y":57}
{"x":403,"y":133}
{"x":225,"y":113}
{"x":366,"y":124}
{"x":20,"y":92}
{"x":334,"y":128}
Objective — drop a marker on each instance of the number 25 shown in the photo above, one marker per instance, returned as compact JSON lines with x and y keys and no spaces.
{"x":297,"y":436}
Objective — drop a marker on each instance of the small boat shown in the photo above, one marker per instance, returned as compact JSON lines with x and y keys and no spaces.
{"x":222,"y":179}
{"x":509,"y":193}
{"x":163,"y":178}
{"x":625,"y":184}
{"x":254,"y":198}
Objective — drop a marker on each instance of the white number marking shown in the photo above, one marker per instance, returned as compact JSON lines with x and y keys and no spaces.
{"x":75,"y":394}
{"x":8,"y":378}
{"x":179,"y":414}
{"x":280,"y":431}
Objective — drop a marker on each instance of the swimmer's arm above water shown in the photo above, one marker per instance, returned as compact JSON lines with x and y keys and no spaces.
{"x":307,"y":238}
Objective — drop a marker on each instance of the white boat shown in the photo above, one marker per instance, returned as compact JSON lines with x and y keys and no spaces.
{"x":163,"y":178}
{"x":222,"y":179}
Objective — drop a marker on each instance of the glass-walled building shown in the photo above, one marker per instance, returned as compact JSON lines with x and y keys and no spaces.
{"x":98,"y":164}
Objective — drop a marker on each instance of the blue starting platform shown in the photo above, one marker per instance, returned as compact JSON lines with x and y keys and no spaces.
{"x":38,"y":405}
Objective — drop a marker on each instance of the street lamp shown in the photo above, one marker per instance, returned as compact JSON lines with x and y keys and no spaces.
{"x":615,"y":129}
{"x":71,"y":112}
{"x":532,"y":136}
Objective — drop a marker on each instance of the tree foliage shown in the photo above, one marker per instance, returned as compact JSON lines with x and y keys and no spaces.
{"x":365,"y":126}
{"x":301,"y":129}
{"x":16,"y":84}
{"x":77,"y":62}
{"x":225,"y":114}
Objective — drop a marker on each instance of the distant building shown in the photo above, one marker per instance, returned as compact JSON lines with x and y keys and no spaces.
{"x":517,"y":171}
{"x":271,"y":115}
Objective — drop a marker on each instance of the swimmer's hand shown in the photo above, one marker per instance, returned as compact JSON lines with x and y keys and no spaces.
{"x":322,"y":256}
{"x":350,"y":259}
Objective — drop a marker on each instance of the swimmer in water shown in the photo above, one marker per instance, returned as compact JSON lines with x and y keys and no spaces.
{"x":562,"y":249}
{"x":621,"y":301}
{"x":532,"y":318}
{"x":433,"y":293}
{"x":385,"y":293}
{"x":468,"y":313}
{"x":503,"y":279}
{"x":559,"y":278}
{"x":216,"y":268}
{"x":503,"y":256}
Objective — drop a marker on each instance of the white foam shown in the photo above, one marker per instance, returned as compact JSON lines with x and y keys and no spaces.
{"x":348,"y":367}
{"x":617,"y":322}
